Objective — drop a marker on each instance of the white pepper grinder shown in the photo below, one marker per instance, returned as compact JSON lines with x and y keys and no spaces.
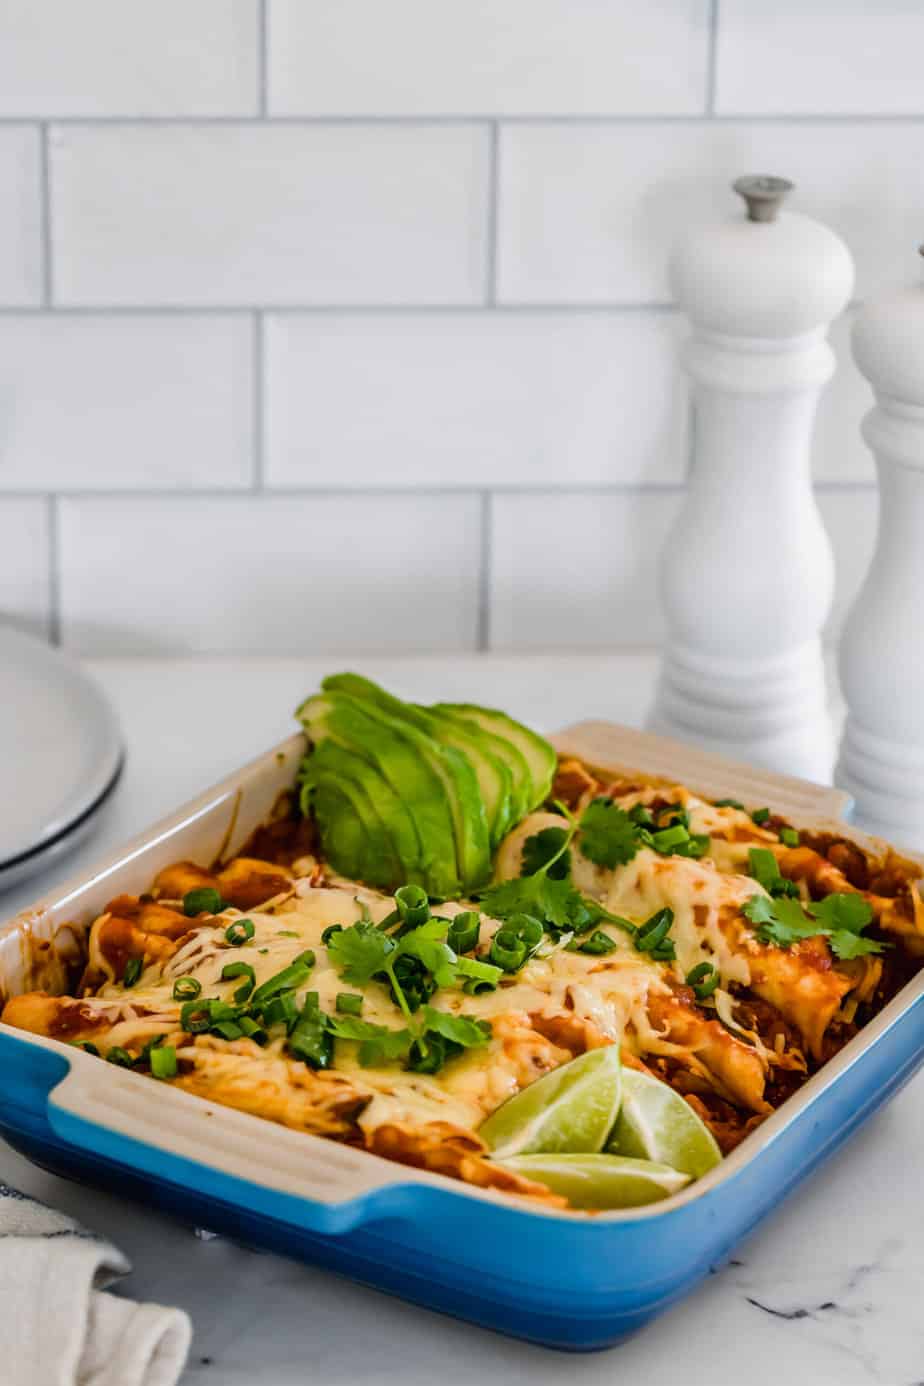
{"x":881,"y":759}
{"x":747,"y":572}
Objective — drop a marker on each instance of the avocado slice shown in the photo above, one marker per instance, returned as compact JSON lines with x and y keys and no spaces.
{"x":501,"y":750}
{"x":539,"y":755}
{"x":387,"y":744}
{"x":451,"y":765}
{"x":494,"y":778}
{"x":332,"y":775}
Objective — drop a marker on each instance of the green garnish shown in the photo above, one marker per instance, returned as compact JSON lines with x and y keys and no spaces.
{"x":667,"y":838}
{"x":728,"y":803}
{"x":133,"y":970}
{"x":240,"y":932}
{"x":512,"y":945}
{"x":228,"y":1029}
{"x":163,"y":1061}
{"x":309,"y":1038}
{"x":195,"y":1017}
{"x":281,"y":1010}
{"x":545,"y":848}
{"x":286,"y":933}
{"x":330,"y":931}
{"x":597,"y":944}
{"x":839,"y":918}
{"x":240,"y":969}
{"x":704,"y":979}
{"x":464,"y":931}
{"x":653,"y":937}
{"x":289,"y":979}
{"x":760,"y":815}
{"x":789,"y":837}
{"x":88,"y":1047}
{"x":119,"y":1056}
{"x":413,"y":906}
{"x":609,"y":837}
{"x":186,"y":989}
{"x":349,"y":1003}
{"x":202,"y":900}
{"x":765,"y":870}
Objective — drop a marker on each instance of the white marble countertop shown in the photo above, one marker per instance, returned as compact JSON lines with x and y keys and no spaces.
{"x":826,"y":1294}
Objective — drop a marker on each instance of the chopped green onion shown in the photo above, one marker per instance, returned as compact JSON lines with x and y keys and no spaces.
{"x":163,"y":1061}
{"x":527,"y":928}
{"x":641,"y":816}
{"x":195,"y":1018}
{"x":391,"y":918}
{"x":310,"y":1039}
{"x":667,"y":838}
{"x":240,"y":932}
{"x":252,"y":1030}
{"x":508,"y":952}
{"x":597,"y":944}
{"x":286,"y":933}
{"x":464,"y":931}
{"x":704,"y":979}
{"x":119,"y":1056}
{"x":240,"y":969}
{"x":672,"y":815}
{"x":202,"y":900}
{"x":329,"y":933}
{"x":289,"y":979}
{"x":133,"y":970}
{"x":479,"y":976}
{"x":349,"y":1003}
{"x":789,"y":837}
{"x":228,"y":1029}
{"x":308,"y":958}
{"x":762,"y":866}
{"x":88,"y":1047}
{"x":760,"y":815}
{"x":729,"y":803}
{"x":281,"y":1010}
{"x":697,"y":846}
{"x":186,"y":989}
{"x":413,"y":904}
{"x":652,"y":936}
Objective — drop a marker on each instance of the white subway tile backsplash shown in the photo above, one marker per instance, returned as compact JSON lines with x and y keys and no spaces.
{"x":473,"y":399}
{"x":24,"y":563}
{"x":284,"y":214}
{"x":589,"y":212}
{"x":578,"y":571}
{"x":361,"y":57}
{"x":171,"y":575}
{"x":127,"y":401}
{"x":807,"y":56}
{"x":582,"y":570}
{"x":20,"y":218}
{"x":119,"y":57}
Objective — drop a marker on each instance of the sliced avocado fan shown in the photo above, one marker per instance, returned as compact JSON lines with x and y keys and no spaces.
{"x":405,"y":794}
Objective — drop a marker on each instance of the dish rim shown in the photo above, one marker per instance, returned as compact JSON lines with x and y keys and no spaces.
{"x":567,"y":742}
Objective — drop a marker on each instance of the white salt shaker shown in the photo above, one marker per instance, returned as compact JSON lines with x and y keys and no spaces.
{"x":881,"y":665}
{"x":747,"y":573}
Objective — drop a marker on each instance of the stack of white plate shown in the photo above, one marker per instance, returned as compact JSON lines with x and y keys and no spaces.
{"x":60,"y":755}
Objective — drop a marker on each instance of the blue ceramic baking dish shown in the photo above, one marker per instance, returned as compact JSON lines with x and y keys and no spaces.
{"x":562,"y":1279}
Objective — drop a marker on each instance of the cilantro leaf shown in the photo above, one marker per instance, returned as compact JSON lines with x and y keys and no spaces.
{"x":377,"y":1043}
{"x":837,"y":912}
{"x":608,"y":835}
{"x":555,"y":903}
{"x":847,"y":945}
{"x":359,"y":952}
{"x":544,"y":848}
{"x":460,"y":1029}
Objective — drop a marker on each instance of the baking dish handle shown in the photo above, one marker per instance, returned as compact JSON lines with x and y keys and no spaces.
{"x":320,"y":1184}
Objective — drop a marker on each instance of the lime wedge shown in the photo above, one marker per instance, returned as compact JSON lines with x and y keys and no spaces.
{"x":655,"y":1123}
{"x":600,"y":1181}
{"x":571,"y":1109}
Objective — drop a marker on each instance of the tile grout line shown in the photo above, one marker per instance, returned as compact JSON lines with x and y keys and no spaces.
{"x":485,"y":576}
{"x":711,"y":54}
{"x":262,"y":60}
{"x":490,"y":291}
{"x":476,"y":118}
{"x":45,"y":215}
{"x":54,"y":570}
{"x":205,"y":310}
{"x":824,"y":485}
{"x":258,"y":401}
